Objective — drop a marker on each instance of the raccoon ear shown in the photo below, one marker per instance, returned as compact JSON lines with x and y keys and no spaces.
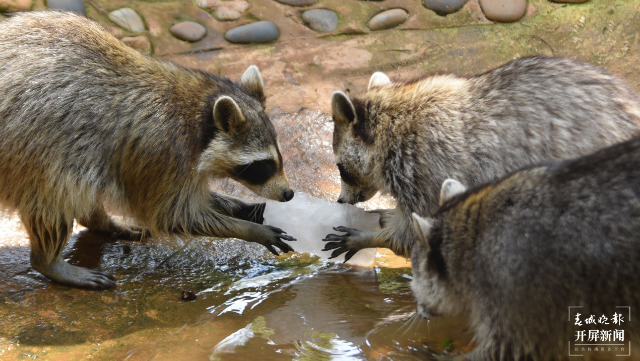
{"x":228,"y":116}
{"x":450,"y":188}
{"x":342,"y":108}
{"x":423,"y":227}
{"x":378,"y":79}
{"x":251,"y":81}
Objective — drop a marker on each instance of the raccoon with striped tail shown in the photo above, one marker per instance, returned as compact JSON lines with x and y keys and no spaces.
{"x":405,"y":139}
{"x":87,"y":121}
{"x":515,"y":254}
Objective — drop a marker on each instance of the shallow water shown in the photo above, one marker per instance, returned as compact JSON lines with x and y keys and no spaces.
{"x":249,"y":303}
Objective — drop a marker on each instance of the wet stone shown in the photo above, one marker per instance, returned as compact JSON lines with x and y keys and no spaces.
{"x":444,"y":7}
{"x":322,"y":20}
{"x":231,"y":10}
{"x":503,"y":11}
{"x":188,"y":31}
{"x":15,"y":5}
{"x":297,"y":2}
{"x":127,"y":19}
{"x":68,"y":5}
{"x":388,"y":19}
{"x":258,"y":32}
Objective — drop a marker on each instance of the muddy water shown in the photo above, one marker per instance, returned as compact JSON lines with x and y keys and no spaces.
{"x":249,"y":303}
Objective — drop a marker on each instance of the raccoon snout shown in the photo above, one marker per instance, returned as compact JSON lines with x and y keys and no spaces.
{"x":286,"y":195}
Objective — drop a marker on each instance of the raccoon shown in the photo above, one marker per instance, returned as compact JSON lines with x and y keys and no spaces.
{"x":407,"y":138}
{"x":86,"y":121}
{"x":514,"y":255}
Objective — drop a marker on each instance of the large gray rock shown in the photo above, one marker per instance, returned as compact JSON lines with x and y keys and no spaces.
{"x":127,"y":19}
{"x":444,"y":7}
{"x":320,"y":20}
{"x":388,"y":19}
{"x":188,"y":31}
{"x":259,"y":32}
{"x":68,"y":5}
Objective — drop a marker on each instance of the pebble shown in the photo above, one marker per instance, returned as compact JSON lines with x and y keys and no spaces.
{"x":128,"y":19}
{"x":503,"y":11}
{"x":207,"y":3}
{"x":231,"y":10}
{"x":258,"y":32}
{"x":297,"y":2}
{"x":388,"y":19}
{"x":68,"y":5}
{"x":15,"y":5}
{"x":188,"y":31}
{"x":140,"y":43}
{"x":320,"y":20}
{"x":444,"y":7}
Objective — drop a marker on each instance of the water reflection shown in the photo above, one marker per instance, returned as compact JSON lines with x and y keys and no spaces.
{"x":249,"y":302}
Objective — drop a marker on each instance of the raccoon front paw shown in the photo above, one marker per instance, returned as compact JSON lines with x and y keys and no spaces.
{"x":351,"y":242}
{"x":274,"y":237}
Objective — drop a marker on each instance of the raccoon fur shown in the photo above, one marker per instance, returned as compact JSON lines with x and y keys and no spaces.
{"x":87,"y":121}
{"x":514,"y":255}
{"x":405,"y":139}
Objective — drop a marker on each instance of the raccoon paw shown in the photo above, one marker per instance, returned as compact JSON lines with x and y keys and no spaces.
{"x":351,"y":242}
{"x":62,"y":272}
{"x":274,"y":237}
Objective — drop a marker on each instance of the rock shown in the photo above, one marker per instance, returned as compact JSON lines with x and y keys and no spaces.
{"x":444,"y":7}
{"x":388,"y":19}
{"x":140,"y":43}
{"x":207,"y":3}
{"x":68,"y":5}
{"x":154,"y":27}
{"x":15,"y":5}
{"x":188,"y":30}
{"x":231,"y":10}
{"x":127,"y":19}
{"x":320,"y":20}
{"x":258,"y":32}
{"x":297,"y":2}
{"x":503,"y":11}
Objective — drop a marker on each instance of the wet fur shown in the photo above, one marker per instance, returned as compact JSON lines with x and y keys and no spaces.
{"x":407,"y":138}
{"x":515,"y":254}
{"x":87,"y":121}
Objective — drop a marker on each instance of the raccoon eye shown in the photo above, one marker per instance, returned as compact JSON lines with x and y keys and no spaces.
{"x":257,"y":172}
{"x":346,"y":176}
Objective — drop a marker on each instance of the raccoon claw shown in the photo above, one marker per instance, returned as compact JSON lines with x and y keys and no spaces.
{"x":348,"y":256}
{"x":277,"y":241}
{"x":351,"y":242}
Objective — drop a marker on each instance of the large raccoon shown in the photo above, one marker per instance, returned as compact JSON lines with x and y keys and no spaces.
{"x":87,"y":121}
{"x":514,"y":255}
{"x":407,"y":138}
